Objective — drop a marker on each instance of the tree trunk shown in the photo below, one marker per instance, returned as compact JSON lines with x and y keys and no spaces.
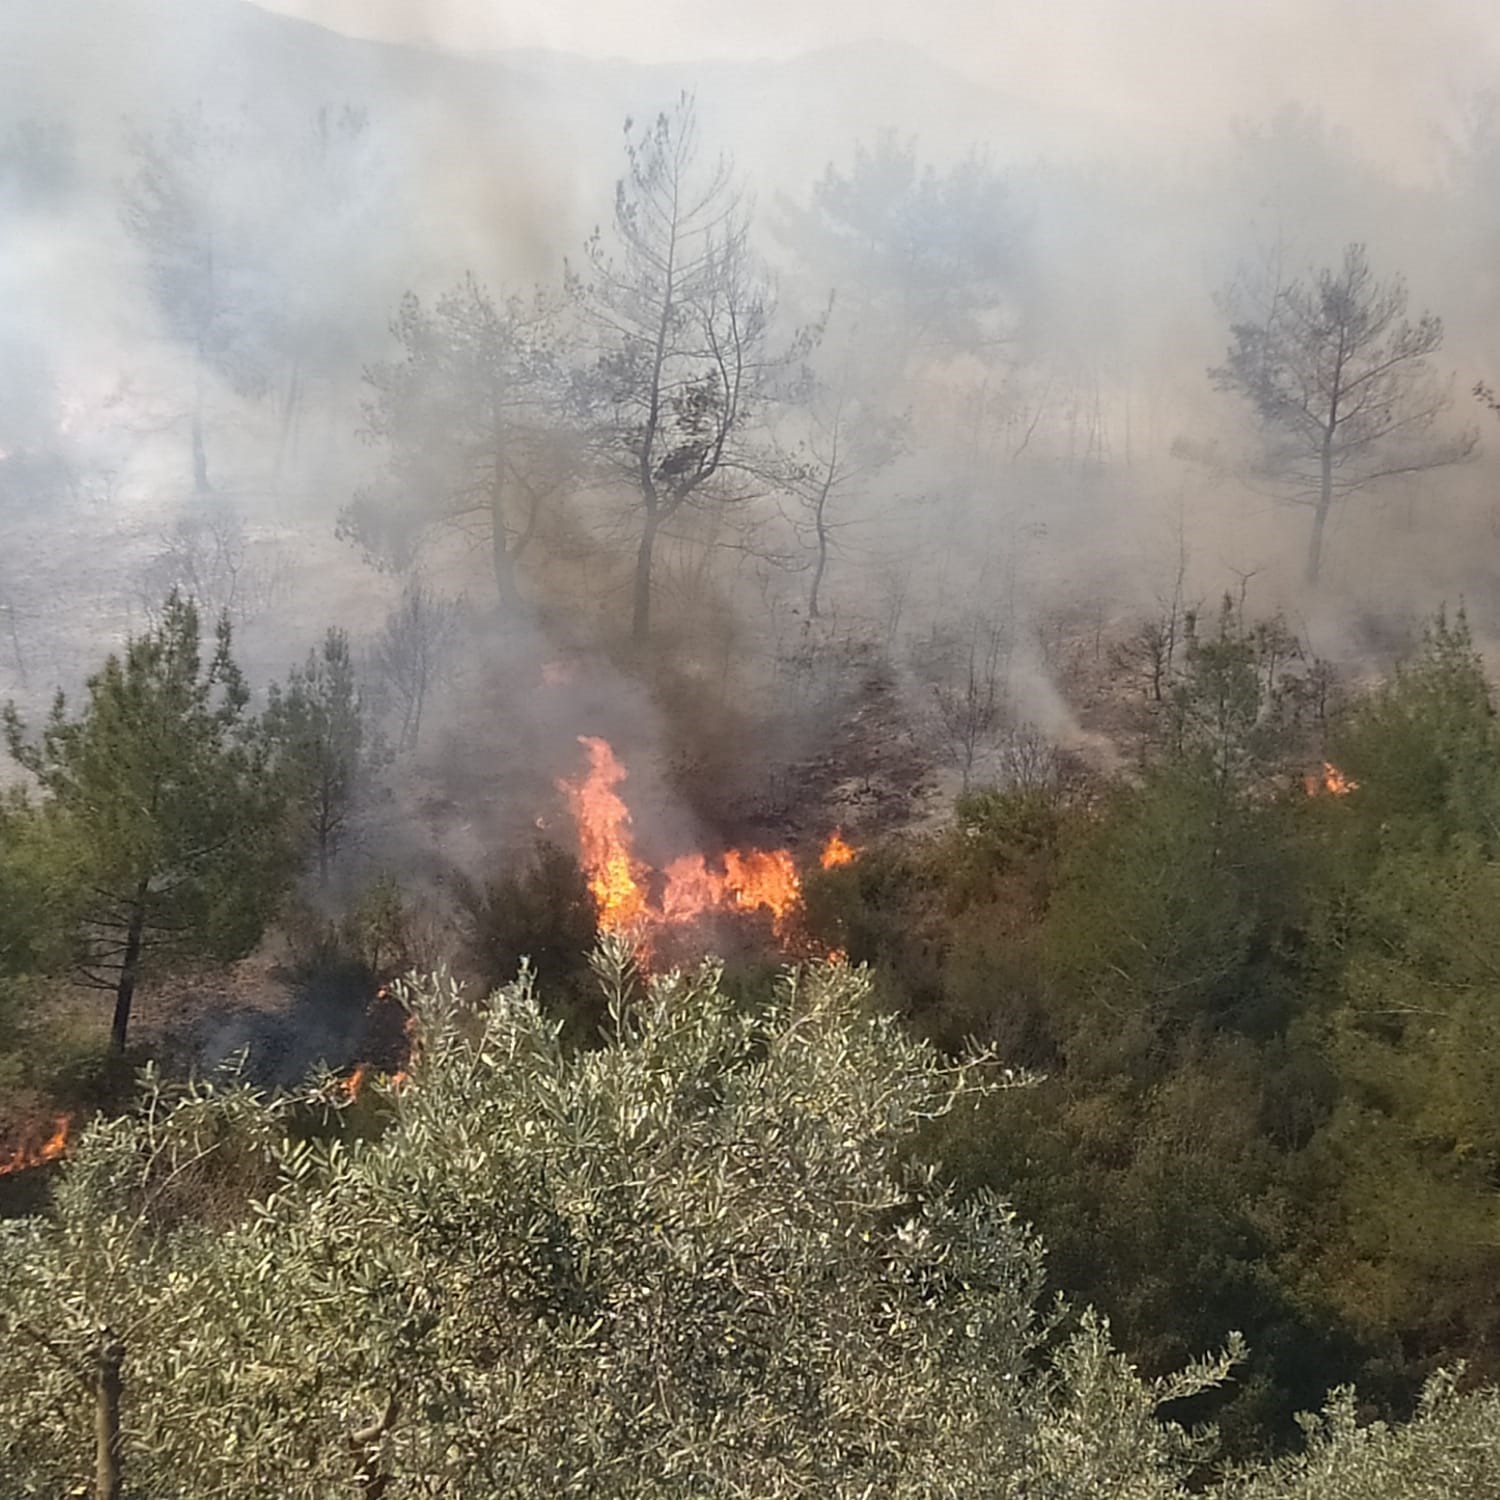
{"x":200,"y":452}
{"x":419,"y":701}
{"x":502,"y":558}
{"x":640,"y":618}
{"x":200,"y":447}
{"x":108,"y":1384}
{"x":130,"y":966}
{"x":817,"y":580}
{"x":327,"y":824}
{"x":291,"y":411}
{"x":1320,"y":515}
{"x":822,"y":563}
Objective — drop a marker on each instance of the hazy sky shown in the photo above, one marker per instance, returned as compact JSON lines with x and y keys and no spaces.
{"x":1370,"y":61}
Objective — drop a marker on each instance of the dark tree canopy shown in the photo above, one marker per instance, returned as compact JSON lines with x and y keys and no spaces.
{"x":163,"y":821}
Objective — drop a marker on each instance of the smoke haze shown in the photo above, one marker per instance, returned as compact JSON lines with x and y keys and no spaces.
{"x":1064,"y":460}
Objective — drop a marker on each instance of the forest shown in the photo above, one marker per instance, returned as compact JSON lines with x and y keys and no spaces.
{"x":783,"y":808}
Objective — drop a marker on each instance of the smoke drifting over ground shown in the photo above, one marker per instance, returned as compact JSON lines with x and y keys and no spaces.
{"x":1011,"y":230}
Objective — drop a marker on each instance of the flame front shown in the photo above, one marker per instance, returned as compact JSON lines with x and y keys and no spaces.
{"x":763,"y":878}
{"x":690,"y":886}
{"x":604,"y":838}
{"x":1330,"y":780}
{"x":55,"y":1145}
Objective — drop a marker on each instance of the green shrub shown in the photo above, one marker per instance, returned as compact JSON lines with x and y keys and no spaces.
{"x":688,"y":1263}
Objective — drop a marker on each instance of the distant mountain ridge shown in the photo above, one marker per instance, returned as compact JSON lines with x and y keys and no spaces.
{"x":92,"y":61}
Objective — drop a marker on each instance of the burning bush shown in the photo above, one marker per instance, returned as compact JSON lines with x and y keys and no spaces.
{"x":651,"y":907}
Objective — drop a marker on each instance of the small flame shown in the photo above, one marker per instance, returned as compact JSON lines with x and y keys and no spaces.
{"x":1331,"y":781}
{"x":55,"y":1145}
{"x":836,"y":851}
{"x":353,"y":1086}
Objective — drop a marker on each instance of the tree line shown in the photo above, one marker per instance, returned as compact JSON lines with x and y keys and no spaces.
{"x":667,"y":373}
{"x":707,"y":395}
{"x":1264,"y":1000}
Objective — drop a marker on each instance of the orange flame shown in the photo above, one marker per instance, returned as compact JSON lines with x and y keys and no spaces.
{"x":352,"y":1086}
{"x":615,"y":876}
{"x":763,"y":878}
{"x":690,"y":886}
{"x":55,"y":1145}
{"x":836,"y":851}
{"x":1330,"y":780}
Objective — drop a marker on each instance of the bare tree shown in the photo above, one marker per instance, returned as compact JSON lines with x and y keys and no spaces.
{"x":1342,"y":382}
{"x":208,"y":556}
{"x":1151,"y":654}
{"x":845,"y":445}
{"x":411,"y":653}
{"x":973,"y":703}
{"x":1030,"y":760}
{"x":682,"y":311}
{"x":211,"y":297}
{"x":468,"y":417}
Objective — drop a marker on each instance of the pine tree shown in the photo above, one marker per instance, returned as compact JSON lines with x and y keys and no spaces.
{"x":689,"y":362}
{"x":467,"y":417}
{"x":161,"y":823}
{"x":317,"y":725}
{"x":1343,"y":384}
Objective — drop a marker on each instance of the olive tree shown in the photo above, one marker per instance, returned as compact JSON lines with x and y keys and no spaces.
{"x":694,"y":1261}
{"x":1450,"y":1450}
